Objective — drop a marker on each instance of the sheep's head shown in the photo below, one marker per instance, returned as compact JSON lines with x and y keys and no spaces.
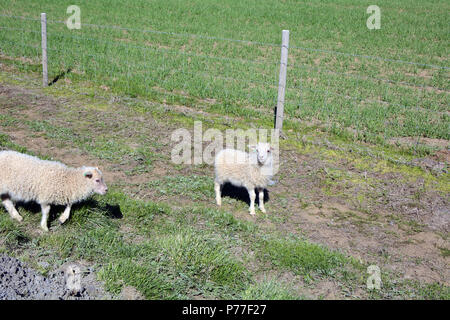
{"x":263,"y":152}
{"x":94,"y":179}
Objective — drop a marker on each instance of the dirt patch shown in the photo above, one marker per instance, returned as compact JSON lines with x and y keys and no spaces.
{"x":20,"y":59}
{"x":411,"y":141}
{"x":443,"y":155}
{"x":130,"y":293}
{"x":397,"y":230}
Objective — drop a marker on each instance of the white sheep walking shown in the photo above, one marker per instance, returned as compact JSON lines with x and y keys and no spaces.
{"x":27,"y":178}
{"x":252,"y":171}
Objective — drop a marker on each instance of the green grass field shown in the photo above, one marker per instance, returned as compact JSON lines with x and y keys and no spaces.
{"x":184,"y":59}
{"x":120,"y":92}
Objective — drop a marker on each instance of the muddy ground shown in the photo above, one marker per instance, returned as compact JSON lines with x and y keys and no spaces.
{"x":19,"y":282}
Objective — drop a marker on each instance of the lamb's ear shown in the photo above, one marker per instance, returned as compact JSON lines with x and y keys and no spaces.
{"x":252,"y":148}
{"x":88,"y":174}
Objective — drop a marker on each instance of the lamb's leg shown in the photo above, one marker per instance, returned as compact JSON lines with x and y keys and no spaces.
{"x":252,"y":195}
{"x":45,"y":211}
{"x":63,"y":218}
{"x":218,"y":195}
{"x":261,"y":200}
{"x":9,"y":206}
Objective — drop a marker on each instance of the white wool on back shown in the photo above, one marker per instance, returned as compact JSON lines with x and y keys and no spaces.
{"x":27,"y":178}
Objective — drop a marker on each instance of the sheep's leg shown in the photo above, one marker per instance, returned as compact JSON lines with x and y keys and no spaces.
{"x":261,"y":200}
{"x":218,"y":195}
{"x":63,"y":218}
{"x":45,"y":211}
{"x":9,"y":206}
{"x":252,"y":195}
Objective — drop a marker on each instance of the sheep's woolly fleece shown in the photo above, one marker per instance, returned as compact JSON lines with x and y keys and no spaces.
{"x":27,"y":178}
{"x":242,"y":169}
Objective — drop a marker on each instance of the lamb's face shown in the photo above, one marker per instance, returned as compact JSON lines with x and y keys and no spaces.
{"x":263,"y":152}
{"x":95,"y":179}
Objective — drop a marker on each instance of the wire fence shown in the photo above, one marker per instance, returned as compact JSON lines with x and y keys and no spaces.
{"x":368,"y":97}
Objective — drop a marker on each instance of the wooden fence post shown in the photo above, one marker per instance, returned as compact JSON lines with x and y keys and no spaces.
{"x":44,"y":49}
{"x":282,"y":80}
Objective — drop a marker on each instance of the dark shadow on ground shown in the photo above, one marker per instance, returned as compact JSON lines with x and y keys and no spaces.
{"x":241,"y":193}
{"x":60,"y":76}
{"x":111,"y":211}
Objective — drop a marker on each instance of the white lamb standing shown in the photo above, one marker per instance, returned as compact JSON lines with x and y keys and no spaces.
{"x":27,"y":178}
{"x":252,"y":171}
